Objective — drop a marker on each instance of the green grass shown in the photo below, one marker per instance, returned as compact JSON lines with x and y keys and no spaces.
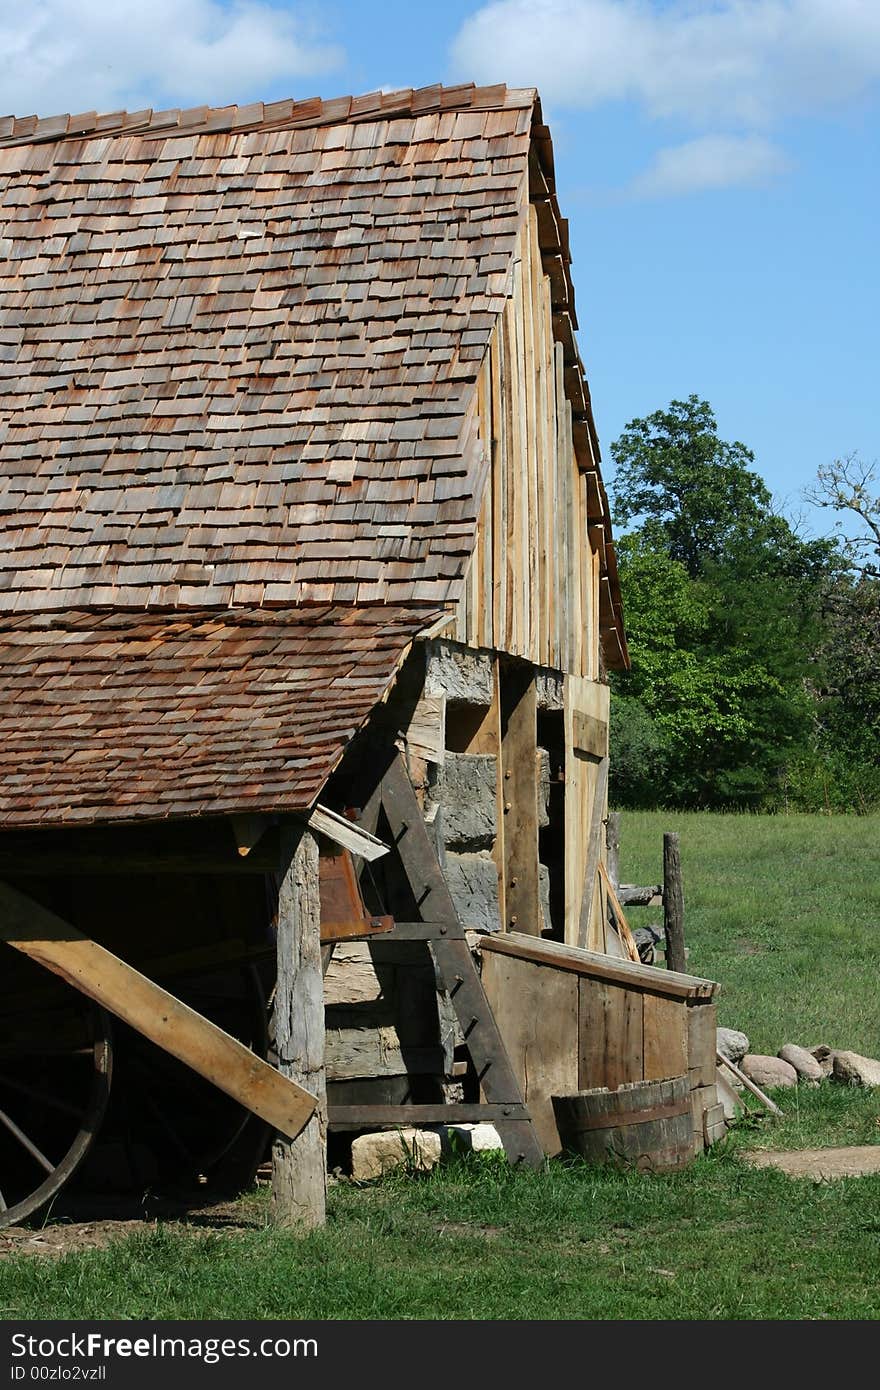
{"x":784,"y":911}
{"x":477,"y":1241}
{"x":820,"y":1117}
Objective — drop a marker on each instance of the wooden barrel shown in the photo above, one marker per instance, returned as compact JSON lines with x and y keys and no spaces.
{"x":643,"y":1124}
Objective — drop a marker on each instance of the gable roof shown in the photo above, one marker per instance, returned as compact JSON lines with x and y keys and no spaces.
{"x":238,"y":356}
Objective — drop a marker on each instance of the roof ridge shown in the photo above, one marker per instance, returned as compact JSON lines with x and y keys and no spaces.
{"x":275,"y":115}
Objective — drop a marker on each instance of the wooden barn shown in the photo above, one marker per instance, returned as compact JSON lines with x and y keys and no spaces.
{"x":307,"y":597}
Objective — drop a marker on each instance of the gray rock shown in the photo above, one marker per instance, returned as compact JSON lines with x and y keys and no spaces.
{"x":544,"y":896}
{"x":466,"y":788}
{"x":732,"y":1044}
{"x":548,"y":689}
{"x":373,"y":1155}
{"x":768,"y":1071}
{"x":462,"y":675}
{"x":472,"y":880}
{"x":543,"y":787}
{"x":804,"y":1063}
{"x":853,"y":1070}
{"x":824,"y":1056}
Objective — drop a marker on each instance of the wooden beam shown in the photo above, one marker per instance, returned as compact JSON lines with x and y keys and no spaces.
{"x":152,"y":1011}
{"x":600,"y":967}
{"x":594,"y":847}
{"x":377,"y":1116}
{"x":346,"y":833}
{"x":590,"y":734}
{"x":299,"y":1164}
{"x":55,"y":862}
{"x":248,"y":830}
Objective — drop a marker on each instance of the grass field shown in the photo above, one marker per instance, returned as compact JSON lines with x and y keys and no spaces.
{"x":785,"y":913}
{"x":716,"y":1241}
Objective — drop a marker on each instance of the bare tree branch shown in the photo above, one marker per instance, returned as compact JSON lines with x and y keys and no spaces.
{"x":851,"y":484}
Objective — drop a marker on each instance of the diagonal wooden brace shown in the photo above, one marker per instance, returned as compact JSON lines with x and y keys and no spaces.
{"x":456,"y":971}
{"x":226,"y":1063}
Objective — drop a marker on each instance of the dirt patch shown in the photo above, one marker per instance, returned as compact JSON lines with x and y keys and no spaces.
{"x":821,"y":1164}
{"x":93,"y":1225}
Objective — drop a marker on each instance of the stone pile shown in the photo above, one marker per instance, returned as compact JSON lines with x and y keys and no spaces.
{"x":795,"y":1065}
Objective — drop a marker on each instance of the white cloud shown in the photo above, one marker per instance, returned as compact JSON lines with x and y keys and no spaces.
{"x":746,"y":62}
{"x":711,"y":161}
{"x":82,"y":55}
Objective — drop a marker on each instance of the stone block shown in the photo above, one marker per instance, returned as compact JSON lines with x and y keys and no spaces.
{"x":549,"y":690}
{"x":475,"y":1138}
{"x":543,"y":787}
{"x":462,"y":675}
{"x":467,"y":791}
{"x":472,"y":879}
{"x":374,"y":1155}
{"x":544,"y":895}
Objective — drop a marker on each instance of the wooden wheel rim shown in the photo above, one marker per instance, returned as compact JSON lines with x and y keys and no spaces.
{"x":102,"y":1054}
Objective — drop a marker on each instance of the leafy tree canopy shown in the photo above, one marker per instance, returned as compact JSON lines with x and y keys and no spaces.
{"x":722,"y":602}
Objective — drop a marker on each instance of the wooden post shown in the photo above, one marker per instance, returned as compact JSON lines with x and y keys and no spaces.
{"x":299,"y":1166}
{"x":673,"y":905}
{"x":612,"y":848}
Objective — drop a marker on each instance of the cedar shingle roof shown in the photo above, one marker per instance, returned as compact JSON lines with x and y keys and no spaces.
{"x":238,"y":351}
{"x":124,"y":716}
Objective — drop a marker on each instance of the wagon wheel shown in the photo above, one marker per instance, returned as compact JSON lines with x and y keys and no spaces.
{"x":55,"y":1071}
{"x":178,"y":1130}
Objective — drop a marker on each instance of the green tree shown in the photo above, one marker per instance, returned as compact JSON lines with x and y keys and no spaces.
{"x":693,"y":494}
{"x":722,"y":606}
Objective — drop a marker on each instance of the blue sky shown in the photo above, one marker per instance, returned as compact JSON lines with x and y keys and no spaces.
{"x":717,"y":160}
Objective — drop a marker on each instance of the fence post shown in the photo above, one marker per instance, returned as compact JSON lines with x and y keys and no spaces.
{"x":673,"y":904}
{"x":612,"y":848}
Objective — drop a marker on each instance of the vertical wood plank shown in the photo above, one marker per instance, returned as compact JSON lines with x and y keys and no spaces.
{"x":611,"y":1035}
{"x":498,"y":486}
{"x":666,"y":1044}
{"x":536,"y":1010}
{"x":702,"y":1021}
{"x":519,"y":747}
{"x":299,"y":1166}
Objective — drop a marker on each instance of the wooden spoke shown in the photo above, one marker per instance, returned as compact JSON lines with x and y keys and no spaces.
{"x":61,"y":1124}
{"x":45,"y":1097}
{"x":26,"y":1143}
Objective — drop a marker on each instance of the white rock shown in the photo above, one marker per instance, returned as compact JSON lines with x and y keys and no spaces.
{"x":731,"y":1044}
{"x":373,"y":1155}
{"x":854,"y":1070}
{"x":476,"y":1138}
{"x":768,"y":1071}
{"x":804,"y":1063}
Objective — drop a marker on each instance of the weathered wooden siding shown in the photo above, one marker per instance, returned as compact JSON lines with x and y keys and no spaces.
{"x":533,"y":584}
{"x":586,"y":747}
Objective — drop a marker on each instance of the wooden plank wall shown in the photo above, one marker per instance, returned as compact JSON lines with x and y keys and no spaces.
{"x":566,"y":1029}
{"x":532,"y":586}
{"x":585,"y":701}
